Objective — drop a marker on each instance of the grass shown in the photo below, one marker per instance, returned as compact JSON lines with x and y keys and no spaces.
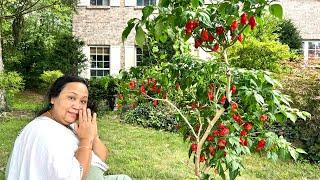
{"x":26,"y":101}
{"x":149,"y":154}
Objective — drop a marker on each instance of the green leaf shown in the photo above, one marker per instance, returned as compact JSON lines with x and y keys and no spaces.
{"x":163,"y":38}
{"x":293,"y":153}
{"x":307,"y":114}
{"x":269,"y":79}
{"x":204,"y":18}
{"x":158,"y":29}
{"x":301,"y":151}
{"x":291,"y":116}
{"x":140,"y":36}
{"x":127,"y":30}
{"x":195,"y":3}
{"x":276,"y":10}
{"x":233,"y":140}
{"x":259,"y":98}
{"x":221,"y":171}
{"x":301,"y":115}
{"x":146,"y":11}
{"x":164,"y":3}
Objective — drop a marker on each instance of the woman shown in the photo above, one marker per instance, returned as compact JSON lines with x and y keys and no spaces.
{"x":55,"y":146}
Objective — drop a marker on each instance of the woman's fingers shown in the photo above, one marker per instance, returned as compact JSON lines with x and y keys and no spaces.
{"x":80,"y":116}
{"x":89,"y":115}
{"x":94,"y":118}
{"x":84,"y":114}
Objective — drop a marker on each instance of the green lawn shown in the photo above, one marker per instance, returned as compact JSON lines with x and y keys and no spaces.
{"x":150,"y":154}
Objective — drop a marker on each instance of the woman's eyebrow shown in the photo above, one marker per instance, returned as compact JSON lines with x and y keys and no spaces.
{"x":78,"y":94}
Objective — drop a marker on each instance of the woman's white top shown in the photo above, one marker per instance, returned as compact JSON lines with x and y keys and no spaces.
{"x":45,"y":150}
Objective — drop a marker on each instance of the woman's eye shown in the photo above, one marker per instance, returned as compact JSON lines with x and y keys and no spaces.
{"x":71,"y":98}
{"x":84,"y":102}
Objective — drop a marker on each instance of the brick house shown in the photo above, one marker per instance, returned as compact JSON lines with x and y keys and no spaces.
{"x":99,"y":23}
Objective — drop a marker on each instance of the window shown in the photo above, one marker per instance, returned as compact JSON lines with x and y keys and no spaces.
{"x":99,"y":2}
{"x":139,"y":55}
{"x":146,"y":2}
{"x":100,"y":61}
{"x":314,"y":49}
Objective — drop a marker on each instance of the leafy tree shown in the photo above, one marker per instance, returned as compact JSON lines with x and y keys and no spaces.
{"x":14,"y":11}
{"x":290,"y":35}
{"x":67,"y":55}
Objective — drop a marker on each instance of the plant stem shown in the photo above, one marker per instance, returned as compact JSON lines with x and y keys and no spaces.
{"x":228,"y":74}
{"x":178,"y":110}
{"x":204,"y":137}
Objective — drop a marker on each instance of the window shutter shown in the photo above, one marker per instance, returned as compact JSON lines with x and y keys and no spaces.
{"x":84,"y":3}
{"x":85,"y":73}
{"x":115,"y":3}
{"x":115,"y":58}
{"x":129,"y":57}
{"x":130,"y":3}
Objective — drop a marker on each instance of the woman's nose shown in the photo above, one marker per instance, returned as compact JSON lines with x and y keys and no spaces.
{"x":77,"y":105}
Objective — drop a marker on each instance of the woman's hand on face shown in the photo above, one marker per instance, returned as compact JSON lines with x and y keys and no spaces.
{"x":87,"y":127}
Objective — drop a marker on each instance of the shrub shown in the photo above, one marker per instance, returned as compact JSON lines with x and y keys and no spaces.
{"x":304,"y":91}
{"x":146,"y":115}
{"x":48,"y":77}
{"x":11,"y":83}
{"x":289,"y":34}
{"x":103,"y":92}
{"x":254,"y":54}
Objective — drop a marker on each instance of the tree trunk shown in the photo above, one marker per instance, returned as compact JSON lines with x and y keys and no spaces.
{"x":3,"y":104}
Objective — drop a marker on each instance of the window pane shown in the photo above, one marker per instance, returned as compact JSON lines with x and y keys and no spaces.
{"x":106,"y":64}
{"x":106,"y":51}
{"x":311,"y":53}
{"x":99,"y":2}
{"x":106,"y":58}
{"x":105,"y":3}
{"x":92,"y":50}
{"x":311,"y":45}
{"x":139,"y":3}
{"x":99,"y":57}
{"x":318,"y":53}
{"x":93,"y":58}
{"x":99,"y":51}
{"x":139,"y":50}
{"x":100,"y":73}
{"x":318,"y":45}
{"x":93,"y":73}
{"x":93,"y":2}
{"x":106,"y":72}
{"x":93,"y":64}
{"x":100,"y":64}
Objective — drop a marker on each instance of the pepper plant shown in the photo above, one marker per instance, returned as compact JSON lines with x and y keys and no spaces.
{"x":223,"y":111}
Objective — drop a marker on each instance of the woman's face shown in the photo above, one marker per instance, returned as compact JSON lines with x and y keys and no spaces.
{"x":72,"y":98}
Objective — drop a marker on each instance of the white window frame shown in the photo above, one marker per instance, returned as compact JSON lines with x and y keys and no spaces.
{"x":107,"y":3}
{"x":103,"y":61}
{"x":316,"y":49}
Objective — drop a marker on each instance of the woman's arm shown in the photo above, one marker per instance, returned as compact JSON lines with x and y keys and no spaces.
{"x":100,"y":149}
{"x":83,"y":154}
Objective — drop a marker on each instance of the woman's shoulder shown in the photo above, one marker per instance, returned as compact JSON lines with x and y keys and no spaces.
{"x":41,"y":123}
{"x":43,"y":126}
